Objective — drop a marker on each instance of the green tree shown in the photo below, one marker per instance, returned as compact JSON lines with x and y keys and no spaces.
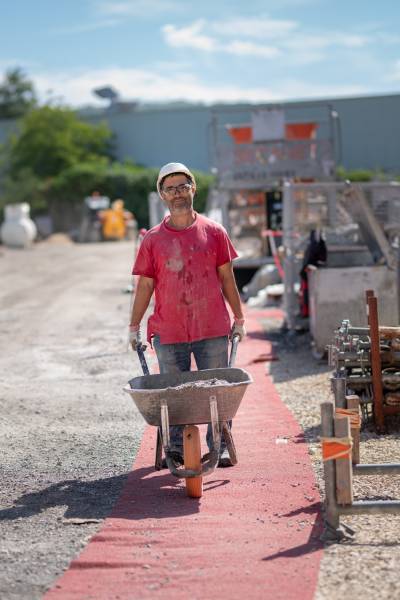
{"x":17,"y":95}
{"x":24,"y":188}
{"x":52,"y":139}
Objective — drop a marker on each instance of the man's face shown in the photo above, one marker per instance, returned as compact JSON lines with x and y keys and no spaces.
{"x":177,"y":193}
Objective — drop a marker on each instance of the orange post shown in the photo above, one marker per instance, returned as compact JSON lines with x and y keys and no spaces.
{"x":192,"y":459}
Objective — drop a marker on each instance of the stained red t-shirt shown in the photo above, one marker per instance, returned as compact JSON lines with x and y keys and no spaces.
{"x":189,"y":304}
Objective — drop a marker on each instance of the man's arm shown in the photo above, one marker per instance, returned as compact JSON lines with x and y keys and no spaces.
{"x":229,"y":289}
{"x":144,"y":291}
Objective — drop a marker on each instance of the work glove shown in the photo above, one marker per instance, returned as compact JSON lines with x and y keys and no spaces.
{"x":238,"y":329}
{"x":135,"y":338}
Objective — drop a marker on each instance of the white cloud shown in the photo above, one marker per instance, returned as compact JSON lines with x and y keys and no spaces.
{"x":192,"y":37}
{"x":321,"y":41}
{"x":76,"y":87}
{"x":351,"y":40}
{"x":237,"y":36}
{"x":135,"y":8}
{"x":394,"y":75}
{"x":249,"y":49}
{"x":189,"y":37}
{"x":255,"y":27}
{"x":85,"y":27}
{"x":20,"y":63}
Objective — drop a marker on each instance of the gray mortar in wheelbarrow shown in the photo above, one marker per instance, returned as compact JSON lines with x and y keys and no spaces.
{"x":191,"y":398}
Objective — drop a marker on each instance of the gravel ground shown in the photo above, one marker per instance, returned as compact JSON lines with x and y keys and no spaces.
{"x":368,"y":564}
{"x":68,"y":434}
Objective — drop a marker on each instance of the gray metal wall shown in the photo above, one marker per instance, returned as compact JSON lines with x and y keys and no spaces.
{"x":370,"y":133}
{"x":154,"y":137}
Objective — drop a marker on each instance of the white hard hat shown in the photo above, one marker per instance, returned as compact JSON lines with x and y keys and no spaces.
{"x":170,"y":169}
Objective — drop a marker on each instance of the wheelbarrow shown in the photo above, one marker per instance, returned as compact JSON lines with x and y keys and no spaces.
{"x":191,"y":398}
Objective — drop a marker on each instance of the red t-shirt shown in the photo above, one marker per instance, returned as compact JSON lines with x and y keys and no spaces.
{"x":189,"y":304}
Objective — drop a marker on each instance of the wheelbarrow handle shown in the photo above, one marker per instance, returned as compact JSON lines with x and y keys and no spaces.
{"x":140,"y":352}
{"x":232,"y":358}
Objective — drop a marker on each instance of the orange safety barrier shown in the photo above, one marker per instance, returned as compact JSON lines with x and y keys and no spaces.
{"x":335,"y":448}
{"x":353,"y":413}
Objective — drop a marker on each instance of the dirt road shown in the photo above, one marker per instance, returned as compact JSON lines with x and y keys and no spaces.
{"x":68,"y":434}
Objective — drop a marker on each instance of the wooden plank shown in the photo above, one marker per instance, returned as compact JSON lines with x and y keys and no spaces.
{"x":376,"y":365}
{"x":344,"y":473}
{"x":353,"y":403}
{"x":391,"y":410}
{"x":332,"y":516}
{"x":389,"y":332}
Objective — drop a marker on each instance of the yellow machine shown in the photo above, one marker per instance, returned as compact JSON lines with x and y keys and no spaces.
{"x":114,"y":220}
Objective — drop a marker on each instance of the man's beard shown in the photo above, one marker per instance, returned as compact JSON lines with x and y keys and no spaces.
{"x":181,"y":205}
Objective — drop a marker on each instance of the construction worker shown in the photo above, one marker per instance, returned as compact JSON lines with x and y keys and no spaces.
{"x":186,"y":261}
{"x":114,"y":221}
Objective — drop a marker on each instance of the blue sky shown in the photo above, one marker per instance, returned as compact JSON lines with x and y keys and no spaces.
{"x":221,"y":50}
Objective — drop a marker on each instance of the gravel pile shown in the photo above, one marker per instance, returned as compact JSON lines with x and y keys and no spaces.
{"x":68,"y":433}
{"x":368,"y":564}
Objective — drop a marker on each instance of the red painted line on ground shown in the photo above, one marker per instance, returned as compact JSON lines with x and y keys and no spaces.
{"x":254,"y":533}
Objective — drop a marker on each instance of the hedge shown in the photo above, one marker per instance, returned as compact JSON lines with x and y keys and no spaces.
{"x":129,"y":182}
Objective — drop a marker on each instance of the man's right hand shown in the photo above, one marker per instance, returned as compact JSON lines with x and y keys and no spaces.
{"x":135,"y":338}
{"x":238,"y":329}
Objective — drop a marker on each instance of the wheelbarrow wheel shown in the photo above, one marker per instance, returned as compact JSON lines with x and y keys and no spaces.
{"x":192,"y":459}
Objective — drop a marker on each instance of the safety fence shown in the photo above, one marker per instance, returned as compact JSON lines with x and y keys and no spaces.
{"x":357,"y":354}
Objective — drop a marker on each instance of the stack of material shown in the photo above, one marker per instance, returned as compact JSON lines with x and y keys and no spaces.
{"x":351,"y":356}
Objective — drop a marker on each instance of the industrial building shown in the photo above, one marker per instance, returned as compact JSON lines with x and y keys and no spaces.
{"x":366,"y":135}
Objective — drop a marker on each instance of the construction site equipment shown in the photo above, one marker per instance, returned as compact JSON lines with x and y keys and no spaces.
{"x":90,"y":227}
{"x":253,"y":150}
{"x":361,"y":227}
{"x":18,"y":229}
{"x":366,"y":362}
{"x":104,"y":222}
{"x":338,"y":474}
{"x":191,"y":398}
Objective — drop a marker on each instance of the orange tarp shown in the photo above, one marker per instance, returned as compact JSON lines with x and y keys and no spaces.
{"x":300,"y":131}
{"x":243,"y":134}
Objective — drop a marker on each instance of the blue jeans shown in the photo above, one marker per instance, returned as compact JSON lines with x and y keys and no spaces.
{"x":172,"y":358}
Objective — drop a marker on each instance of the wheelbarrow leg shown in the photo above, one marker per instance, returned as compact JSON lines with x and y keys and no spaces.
{"x":230,"y":445}
{"x":158,"y":458}
{"x":192,"y":459}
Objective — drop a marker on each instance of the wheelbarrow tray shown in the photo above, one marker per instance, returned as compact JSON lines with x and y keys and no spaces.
{"x":190,"y":404}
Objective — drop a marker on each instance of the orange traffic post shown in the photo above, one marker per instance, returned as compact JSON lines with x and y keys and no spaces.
{"x":192,"y":459}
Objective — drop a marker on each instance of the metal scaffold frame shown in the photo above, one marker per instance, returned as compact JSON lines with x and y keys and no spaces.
{"x":338,"y":210}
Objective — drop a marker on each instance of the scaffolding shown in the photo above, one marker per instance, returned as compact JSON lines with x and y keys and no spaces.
{"x":253,"y":151}
{"x":255,"y":148}
{"x":360,"y":225}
